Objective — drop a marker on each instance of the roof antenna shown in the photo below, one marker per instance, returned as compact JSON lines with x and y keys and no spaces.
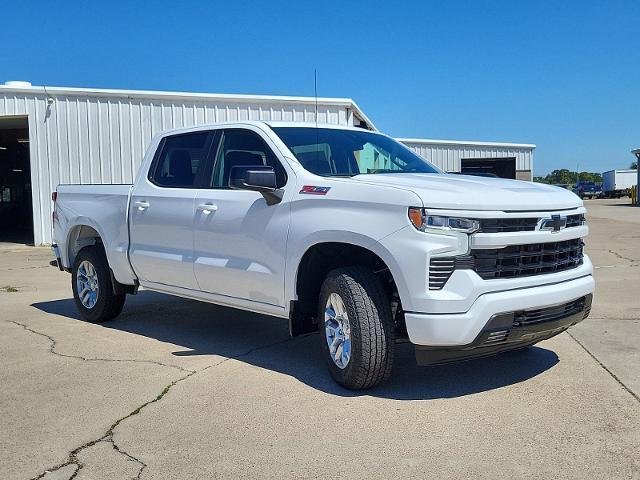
{"x":315,"y":92}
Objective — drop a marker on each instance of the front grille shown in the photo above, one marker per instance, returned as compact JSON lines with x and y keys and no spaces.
{"x":547,"y":314}
{"x":575,"y":220}
{"x":529,"y":259}
{"x":500,"y":225}
{"x":509,"y":262}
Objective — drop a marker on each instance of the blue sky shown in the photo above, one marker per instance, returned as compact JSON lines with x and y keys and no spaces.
{"x":564,"y":75}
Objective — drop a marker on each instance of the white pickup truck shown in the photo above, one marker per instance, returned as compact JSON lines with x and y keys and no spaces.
{"x":336,"y":229}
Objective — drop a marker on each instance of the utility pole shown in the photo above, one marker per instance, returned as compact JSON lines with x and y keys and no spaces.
{"x":637,"y":154}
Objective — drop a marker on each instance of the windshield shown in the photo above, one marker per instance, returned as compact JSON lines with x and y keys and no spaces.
{"x":334,"y":152}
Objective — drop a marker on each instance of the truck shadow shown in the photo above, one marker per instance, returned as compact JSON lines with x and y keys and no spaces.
{"x":204,"y":329}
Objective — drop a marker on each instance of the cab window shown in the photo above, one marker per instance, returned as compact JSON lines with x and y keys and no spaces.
{"x":244,"y":148}
{"x":180,"y":160}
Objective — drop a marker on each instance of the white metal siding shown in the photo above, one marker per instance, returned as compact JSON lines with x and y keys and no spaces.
{"x":101,"y":139}
{"x":448,"y":156}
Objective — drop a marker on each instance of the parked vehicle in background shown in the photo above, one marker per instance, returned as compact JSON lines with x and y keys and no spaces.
{"x":587,"y":190}
{"x":618,"y":183}
{"x":566,"y":186}
{"x":336,"y":229}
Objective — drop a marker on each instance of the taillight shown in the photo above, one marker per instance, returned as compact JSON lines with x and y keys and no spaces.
{"x":54,"y":197}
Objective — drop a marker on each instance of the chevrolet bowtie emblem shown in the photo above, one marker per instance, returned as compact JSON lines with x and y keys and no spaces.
{"x":555,"y":223}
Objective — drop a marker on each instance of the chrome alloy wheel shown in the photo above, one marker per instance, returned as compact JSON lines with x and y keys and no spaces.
{"x":87,"y":284}
{"x":337,"y":330}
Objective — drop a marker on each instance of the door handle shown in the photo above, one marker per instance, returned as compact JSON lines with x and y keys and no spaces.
{"x":142,"y":205}
{"x":207,"y":208}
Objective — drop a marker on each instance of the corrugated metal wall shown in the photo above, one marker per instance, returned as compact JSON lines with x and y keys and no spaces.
{"x":102,"y":139}
{"x":448,"y":156}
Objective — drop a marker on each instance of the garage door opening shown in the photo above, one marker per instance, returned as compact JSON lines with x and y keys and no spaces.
{"x":16,"y":213}
{"x":500,"y":167}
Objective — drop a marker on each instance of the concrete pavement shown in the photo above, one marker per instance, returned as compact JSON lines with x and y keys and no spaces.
{"x":612,"y":332}
{"x":178,"y":389}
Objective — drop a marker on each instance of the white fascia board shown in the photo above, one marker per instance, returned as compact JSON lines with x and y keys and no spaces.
{"x":428,"y":141}
{"x":104,"y":92}
{"x":361,"y":114}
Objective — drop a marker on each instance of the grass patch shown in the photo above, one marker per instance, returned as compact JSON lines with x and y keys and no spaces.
{"x":9,"y":289}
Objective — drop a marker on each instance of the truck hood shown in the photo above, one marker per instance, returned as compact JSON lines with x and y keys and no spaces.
{"x":466,"y":192}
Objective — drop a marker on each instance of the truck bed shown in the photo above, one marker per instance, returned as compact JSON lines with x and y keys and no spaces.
{"x":103,"y":208}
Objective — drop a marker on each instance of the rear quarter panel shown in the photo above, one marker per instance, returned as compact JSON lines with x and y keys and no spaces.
{"x":103,"y":208}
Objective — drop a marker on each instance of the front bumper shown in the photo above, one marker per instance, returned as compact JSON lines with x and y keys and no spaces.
{"x":510,"y":331}
{"x":461,"y":329}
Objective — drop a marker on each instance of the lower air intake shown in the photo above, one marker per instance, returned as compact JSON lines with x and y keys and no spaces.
{"x":496,"y":337}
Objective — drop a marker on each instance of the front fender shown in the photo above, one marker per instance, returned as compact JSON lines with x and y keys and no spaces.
{"x":339,"y":236}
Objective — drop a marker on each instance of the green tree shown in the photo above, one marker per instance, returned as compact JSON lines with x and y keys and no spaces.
{"x":590,"y":177}
{"x":566,"y":176}
{"x":634,"y":165}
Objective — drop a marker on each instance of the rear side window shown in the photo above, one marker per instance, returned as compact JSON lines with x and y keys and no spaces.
{"x":244,"y":148}
{"x":181,"y":159}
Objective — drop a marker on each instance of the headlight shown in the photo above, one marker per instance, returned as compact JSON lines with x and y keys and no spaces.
{"x":424,"y":222}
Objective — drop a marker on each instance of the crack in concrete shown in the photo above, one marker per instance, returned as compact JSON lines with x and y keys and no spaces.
{"x":74,"y":460}
{"x":615,"y":319}
{"x":604,"y":367}
{"x":24,"y":268}
{"x":94,"y":359}
{"x":108,"y":436}
{"x":622,"y":257}
{"x":633,"y":265}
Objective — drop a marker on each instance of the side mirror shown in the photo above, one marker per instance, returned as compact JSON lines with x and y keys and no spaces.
{"x":258,"y":178}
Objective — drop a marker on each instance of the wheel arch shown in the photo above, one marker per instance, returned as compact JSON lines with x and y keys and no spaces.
{"x":84,"y":235}
{"x":324,"y":255}
{"x":81,"y":235}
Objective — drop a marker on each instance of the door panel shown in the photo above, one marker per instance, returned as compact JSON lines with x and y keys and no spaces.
{"x":162,"y":210}
{"x":239,"y":240}
{"x":161,"y":245}
{"x":240,"y":247}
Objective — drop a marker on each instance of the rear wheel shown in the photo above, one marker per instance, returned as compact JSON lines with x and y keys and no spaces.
{"x":357,"y":331}
{"x":93,"y":287}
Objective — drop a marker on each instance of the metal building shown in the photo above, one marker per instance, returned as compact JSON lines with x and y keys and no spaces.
{"x":52,"y":135}
{"x":508,"y":160}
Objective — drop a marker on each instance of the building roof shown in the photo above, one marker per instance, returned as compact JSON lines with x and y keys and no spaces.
{"x":470,"y":143}
{"x":25,"y":87}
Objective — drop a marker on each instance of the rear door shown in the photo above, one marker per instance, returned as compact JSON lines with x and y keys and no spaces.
{"x":240,"y":241}
{"x":162,"y":210}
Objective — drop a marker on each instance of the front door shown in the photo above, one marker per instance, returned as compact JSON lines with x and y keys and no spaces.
{"x":240,"y":241}
{"x":163,"y":209}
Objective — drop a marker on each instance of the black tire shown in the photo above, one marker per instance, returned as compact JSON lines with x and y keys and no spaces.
{"x":371,"y":327}
{"x":108,"y":305}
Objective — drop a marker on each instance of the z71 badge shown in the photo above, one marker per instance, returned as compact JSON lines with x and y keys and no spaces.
{"x":314,"y":190}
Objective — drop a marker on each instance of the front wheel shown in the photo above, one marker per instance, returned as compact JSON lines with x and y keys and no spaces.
{"x":357,"y":331}
{"x":93,"y":287}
